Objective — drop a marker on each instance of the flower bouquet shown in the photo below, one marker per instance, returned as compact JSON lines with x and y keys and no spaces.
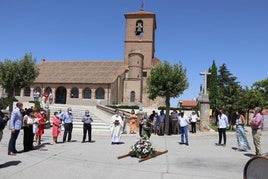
{"x":143,"y":150}
{"x":116,"y":122}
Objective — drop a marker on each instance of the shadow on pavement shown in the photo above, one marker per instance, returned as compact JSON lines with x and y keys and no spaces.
{"x":10,"y":163}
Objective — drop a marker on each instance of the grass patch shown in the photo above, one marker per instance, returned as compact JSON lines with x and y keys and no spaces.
{"x":215,"y":128}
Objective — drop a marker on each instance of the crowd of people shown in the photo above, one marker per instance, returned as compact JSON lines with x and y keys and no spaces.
{"x":256,"y":124}
{"x":153,"y":124}
{"x":33,"y":123}
{"x":45,"y":99}
{"x":179,"y":123}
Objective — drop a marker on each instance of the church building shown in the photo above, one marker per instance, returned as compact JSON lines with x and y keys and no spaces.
{"x":108,"y":82}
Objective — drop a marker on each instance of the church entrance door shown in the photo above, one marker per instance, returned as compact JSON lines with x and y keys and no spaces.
{"x":61,"y":93}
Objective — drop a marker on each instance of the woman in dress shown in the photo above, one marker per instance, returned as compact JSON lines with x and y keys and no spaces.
{"x":241,"y":136}
{"x":133,"y":122}
{"x":42,"y":120}
{"x":56,"y":127}
{"x":29,"y":120}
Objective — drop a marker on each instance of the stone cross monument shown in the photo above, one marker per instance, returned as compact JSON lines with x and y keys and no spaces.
{"x":204,"y":105}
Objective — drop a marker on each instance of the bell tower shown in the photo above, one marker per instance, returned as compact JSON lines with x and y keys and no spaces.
{"x":138,"y":54}
{"x":140,"y":35}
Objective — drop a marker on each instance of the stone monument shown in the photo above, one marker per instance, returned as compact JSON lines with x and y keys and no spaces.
{"x":204,"y":105}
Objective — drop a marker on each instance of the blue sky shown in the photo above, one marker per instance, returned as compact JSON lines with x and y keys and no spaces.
{"x":195,"y":32}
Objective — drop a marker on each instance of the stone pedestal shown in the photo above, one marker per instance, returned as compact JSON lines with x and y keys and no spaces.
{"x":204,"y":107}
{"x":265,"y":122}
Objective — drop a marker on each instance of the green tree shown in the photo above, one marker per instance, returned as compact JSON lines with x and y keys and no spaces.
{"x":249,"y":99}
{"x":229,"y":91}
{"x":213,"y":87}
{"x":262,"y":86}
{"x":168,"y":81}
{"x":17,"y":74}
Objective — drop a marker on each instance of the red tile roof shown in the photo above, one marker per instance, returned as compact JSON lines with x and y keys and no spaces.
{"x":80,"y":71}
{"x":188,"y":103}
{"x":141,"y":12}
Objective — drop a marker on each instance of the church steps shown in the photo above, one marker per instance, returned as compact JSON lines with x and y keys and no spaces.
{"x":100,"y":122}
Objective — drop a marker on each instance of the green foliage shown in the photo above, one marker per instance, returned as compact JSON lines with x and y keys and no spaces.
{"x":226,"y":93}
{"x":252,"y":98}
{"x":5,"y":102}
{"x":215,"y":128}
{"x":225,"y":77}
{"x":262,"y":87}
{"x":229,"y":90}
{"x":37,"y":105}
{"x":166,"y":80}
{"x":122,"y":107}
{"x":213,"y":86}
{"x":17,"y":74}
{"x":178,"y":109}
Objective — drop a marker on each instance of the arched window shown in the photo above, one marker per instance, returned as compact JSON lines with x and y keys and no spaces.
{"x":17,"y":92}
{"x":100,"y":93}
{"x":132,"y":96}
{"x":61,"y":94}
{"x":38,"y":89}
{"x":74,"y":93}
{"x":27,"y":91}
{"x":139,"y":27}
{"x":48,"y":90}
{"x":87,"y":93}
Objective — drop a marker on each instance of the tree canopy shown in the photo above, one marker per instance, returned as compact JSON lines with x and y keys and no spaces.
{"x":17,"y":74}
{"x":168,"y":81}
{"x":226,"y":93}
{"x":213,"y":86}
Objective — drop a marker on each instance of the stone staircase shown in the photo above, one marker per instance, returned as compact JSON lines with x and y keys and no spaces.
{"x":100,"y":118}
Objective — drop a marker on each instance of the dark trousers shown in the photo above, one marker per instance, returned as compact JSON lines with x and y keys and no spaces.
{"x":193,"y":127}
{"x":174,"y":126}
{"x":68,"y":129}
{"x":140,"y":129}
{"x":87,"y":129}
{"x":12,"y":141}
{"x":222,"y":133}
{"x":28,"y":137}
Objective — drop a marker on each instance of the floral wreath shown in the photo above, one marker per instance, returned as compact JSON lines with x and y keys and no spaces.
{"x":142,"y":148}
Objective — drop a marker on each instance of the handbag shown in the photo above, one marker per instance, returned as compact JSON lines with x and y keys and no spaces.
{"x":61,"y":128}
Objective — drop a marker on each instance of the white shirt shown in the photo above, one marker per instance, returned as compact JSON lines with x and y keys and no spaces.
{"x":194,"y":118}
{"x":184,"y":121}
{"x":222,"y":121}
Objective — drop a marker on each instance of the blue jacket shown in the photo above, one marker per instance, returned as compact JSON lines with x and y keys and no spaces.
{"x":16,"y":119}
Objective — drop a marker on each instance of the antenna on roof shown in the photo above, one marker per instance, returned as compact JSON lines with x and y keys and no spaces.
{"x":142,"y":5}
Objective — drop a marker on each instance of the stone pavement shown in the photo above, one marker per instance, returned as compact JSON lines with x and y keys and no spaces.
{"x":201,"y":159}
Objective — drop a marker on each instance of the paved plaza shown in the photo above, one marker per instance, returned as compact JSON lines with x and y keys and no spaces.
{"x":201,"y":159}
